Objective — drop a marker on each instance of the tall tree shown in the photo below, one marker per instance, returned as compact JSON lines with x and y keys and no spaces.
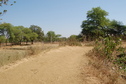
{"x":95,"y":24}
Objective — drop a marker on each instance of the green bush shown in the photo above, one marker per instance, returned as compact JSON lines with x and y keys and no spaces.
{"x":107,"y":46}
{"x":111,"y":50}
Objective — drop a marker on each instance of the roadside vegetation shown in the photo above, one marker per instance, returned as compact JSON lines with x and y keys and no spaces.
{"x":14,"y":53}
{"x":73,"y":40}
{"x":108,"y":57}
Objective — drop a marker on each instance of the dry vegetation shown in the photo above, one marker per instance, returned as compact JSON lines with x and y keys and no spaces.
{"x":10,"y":54}
{"x":70,"y":43}
{"x":102,"y":70}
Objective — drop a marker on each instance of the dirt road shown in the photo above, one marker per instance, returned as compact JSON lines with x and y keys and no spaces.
{"x":57,"y":66}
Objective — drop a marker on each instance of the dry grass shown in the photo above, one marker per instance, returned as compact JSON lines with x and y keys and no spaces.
{"x":70,"y":43}
{"x":39,"y":47}
{"x":9,"y":56}
{"x":92,"y":43}
{"x":101,"y":71}
{"x":13,"y":53}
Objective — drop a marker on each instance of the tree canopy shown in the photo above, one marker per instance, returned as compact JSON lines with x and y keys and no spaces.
{"x":19,"y":34}
{"x":38,"y":30}
{"x":98,"y":25}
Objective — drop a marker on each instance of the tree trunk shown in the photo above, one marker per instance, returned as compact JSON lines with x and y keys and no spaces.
{"x":0,"y":44}
{"x":20,"y":42}
{"x":6,"y":42}
{"x":26,"y":42}
{"x":32,"y":42}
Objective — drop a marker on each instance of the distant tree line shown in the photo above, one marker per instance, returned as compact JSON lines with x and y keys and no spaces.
{"x":98,"y":25}
{"x":18,"y":34}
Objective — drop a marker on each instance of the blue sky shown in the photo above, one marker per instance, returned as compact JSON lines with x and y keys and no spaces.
{"x":62,"y":16}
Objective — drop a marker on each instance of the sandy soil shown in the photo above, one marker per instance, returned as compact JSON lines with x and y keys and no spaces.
{"x":57,"y":66}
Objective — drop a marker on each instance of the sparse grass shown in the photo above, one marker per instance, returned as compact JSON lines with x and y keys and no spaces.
{"x":9,"y":56}
{"x":12,"y":54}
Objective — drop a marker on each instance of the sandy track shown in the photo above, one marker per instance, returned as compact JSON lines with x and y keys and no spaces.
{"x":57,"y":66}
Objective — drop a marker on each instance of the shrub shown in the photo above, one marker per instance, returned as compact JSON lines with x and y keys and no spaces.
{"x":109,"y":58}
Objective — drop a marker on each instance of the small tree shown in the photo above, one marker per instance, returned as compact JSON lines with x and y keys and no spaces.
{"x":51,"y":36}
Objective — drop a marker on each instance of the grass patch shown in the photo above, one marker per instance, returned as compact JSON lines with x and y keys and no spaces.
{"x":12,"y":54}
{"x":9,"y":56}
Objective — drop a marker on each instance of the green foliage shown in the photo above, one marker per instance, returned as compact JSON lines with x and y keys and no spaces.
{"x":121,"y":62}
{"x":71,"y":41}
{"x":97,"y":25}
{"x":111,"y":50}
{"x":33,"y":36}
{"x":2,"y":39}
{"x":108,"y":46}
{"x":121,"y":58}
{"x":18,"y":34}
{"x":38,"y":31}
{"x":52,"y":37}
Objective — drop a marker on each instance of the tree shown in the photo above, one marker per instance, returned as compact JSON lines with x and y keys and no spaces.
{"x":116,"y":28}
{"x":6,"y":30}
{"x":51,"y":36}
{"x":27,"y":33}
{"x":18,"y":34}
{"x":38,"y":31}
{"x":57,"y":37}
{"x":73,"y":38}
{"x":33,"y":36}
{"x":95,"y":24}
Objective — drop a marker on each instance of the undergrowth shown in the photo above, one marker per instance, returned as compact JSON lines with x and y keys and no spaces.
{"x":109,"y":60}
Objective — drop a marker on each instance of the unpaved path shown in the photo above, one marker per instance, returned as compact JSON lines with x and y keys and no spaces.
{"x":57,"y":66}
